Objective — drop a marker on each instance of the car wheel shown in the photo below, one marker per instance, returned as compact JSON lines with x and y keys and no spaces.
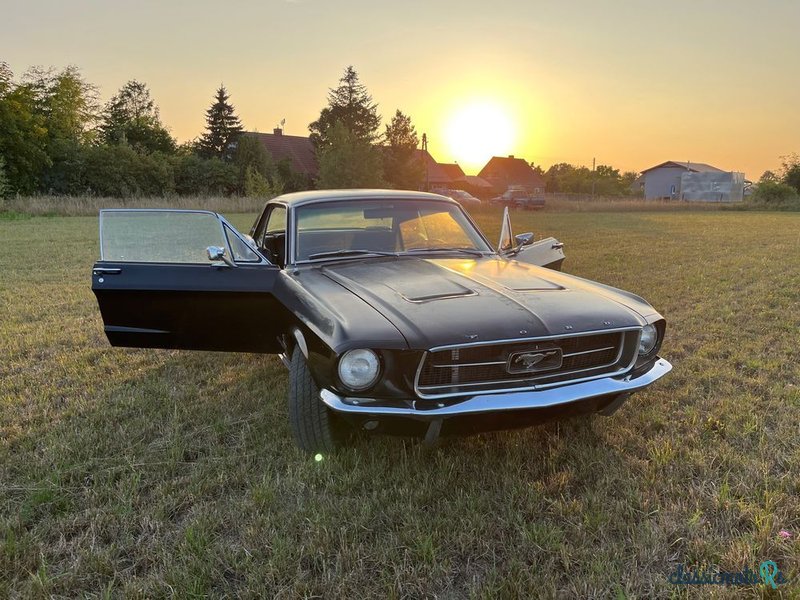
{"x":314,"y":426}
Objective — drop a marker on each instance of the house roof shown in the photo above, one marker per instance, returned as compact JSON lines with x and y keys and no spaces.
{"x":298,"y":149}
{"x":689,"y":166}
{"x":508,"y":170}
{"x":453,"y":171}
{"x":435,"y":172}
{"x":479,"y":182}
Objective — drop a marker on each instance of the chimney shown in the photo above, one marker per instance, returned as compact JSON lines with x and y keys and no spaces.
{"x":510,"y":156}
{"x":277,"y":131}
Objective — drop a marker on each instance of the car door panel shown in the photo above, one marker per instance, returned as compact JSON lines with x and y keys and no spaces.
{"x":196,"y":306}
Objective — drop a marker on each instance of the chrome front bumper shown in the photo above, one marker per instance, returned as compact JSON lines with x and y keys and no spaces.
{"x":429,"y":410}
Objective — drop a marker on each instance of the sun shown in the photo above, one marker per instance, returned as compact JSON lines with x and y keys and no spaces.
{"x":479,"y":130}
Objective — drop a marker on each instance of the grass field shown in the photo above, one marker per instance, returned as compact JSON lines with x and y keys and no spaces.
{"x":158,"y":473}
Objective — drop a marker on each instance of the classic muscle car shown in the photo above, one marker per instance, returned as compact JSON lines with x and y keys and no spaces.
{"x":391,"y":310}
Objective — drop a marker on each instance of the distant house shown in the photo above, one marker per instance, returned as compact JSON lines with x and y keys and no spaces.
{"x":454,"y":172}
{"x":692,"y":181}
{"x":506,"y":171}
{"x":297,"y":149}
{"x":435,"y":176}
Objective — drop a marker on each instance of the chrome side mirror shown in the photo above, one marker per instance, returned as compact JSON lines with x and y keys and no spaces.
{"x":523,"y":239}
{"x":217,"y":253}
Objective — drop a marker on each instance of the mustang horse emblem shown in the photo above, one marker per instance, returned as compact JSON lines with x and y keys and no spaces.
{"x":534,"y":360}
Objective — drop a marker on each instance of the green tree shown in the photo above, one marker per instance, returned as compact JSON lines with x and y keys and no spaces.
{"x":69,"y":108}
{"x":791,"y":171}
{"x":256,"y":167}
{"x":197,"y":176}
{"x":538,"y":170}
{"x":769,"y":177}
{"x":23,"y":134}
{"x":222,"y":127}
{"x":119,"y":171}
{"x":256,"y":185}
{"x":627,"y":179}
{"x":351,"y":105}
{"x":4,"y":188}
{"x":774,"y":194}
{"x":401,"y":168}
{"x":131,"y":117}
{"x":349,"y":161}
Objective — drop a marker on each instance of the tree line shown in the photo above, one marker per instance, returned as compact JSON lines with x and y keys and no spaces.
{"x":57,"y":137}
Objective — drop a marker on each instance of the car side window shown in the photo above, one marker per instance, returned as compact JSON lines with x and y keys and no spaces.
{"x":277,"y":220}
{"x":274,"y":240}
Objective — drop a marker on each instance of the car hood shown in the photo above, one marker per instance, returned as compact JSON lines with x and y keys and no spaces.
{"x":435,"y":302}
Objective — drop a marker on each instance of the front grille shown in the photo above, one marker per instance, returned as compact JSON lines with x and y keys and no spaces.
{"x":525,"y":364}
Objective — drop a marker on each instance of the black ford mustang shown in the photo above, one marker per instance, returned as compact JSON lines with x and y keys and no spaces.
{"x":391,"y":310}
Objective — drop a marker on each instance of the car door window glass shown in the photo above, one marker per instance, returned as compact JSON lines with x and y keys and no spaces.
{"x":241,"y":251}
{"x":161,"y":236}
{"x":277,"y":220}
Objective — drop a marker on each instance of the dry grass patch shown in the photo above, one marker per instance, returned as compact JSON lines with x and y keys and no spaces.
{"x":143,"y":473}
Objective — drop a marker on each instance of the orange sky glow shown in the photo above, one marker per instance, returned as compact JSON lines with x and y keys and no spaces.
{"x":629,"y":83}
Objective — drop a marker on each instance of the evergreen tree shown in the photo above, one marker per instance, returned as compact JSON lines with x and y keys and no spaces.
{"x":222,"y":127}
{"x":349,"y":161}
{"x":351,"y":105}
{"x":401,"y":168}
{"x":131,"y":117}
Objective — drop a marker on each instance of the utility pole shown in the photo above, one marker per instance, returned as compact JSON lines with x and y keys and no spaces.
{"x":425,"y":159}
{"x":593,"y":167}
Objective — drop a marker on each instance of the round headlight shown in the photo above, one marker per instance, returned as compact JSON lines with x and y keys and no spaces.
{"x":648,"y":339}
{"x":359,"y":369}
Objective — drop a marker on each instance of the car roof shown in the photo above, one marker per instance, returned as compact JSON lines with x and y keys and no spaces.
{"x":299,"y":198}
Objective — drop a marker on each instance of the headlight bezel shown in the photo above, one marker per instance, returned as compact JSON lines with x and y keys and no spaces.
{"x":367,"y":354}
{"x":648,"y":340}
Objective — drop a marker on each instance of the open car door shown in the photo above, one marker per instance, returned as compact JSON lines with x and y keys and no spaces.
{"x":184,"y":279}
{"x":547,"y":252}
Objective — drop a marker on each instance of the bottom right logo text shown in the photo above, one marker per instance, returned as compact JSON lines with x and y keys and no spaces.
{"x":767,"y":573}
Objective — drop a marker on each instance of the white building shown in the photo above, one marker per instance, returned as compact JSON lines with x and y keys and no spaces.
{"x":692,"y":181}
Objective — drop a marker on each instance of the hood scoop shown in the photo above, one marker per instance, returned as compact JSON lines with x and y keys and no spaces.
{"x":414,"y":280}
{"x":509,"y":274}
{"x":425,"y":292}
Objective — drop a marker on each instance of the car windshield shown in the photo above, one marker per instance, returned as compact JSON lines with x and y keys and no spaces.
{"x":363,"y":227}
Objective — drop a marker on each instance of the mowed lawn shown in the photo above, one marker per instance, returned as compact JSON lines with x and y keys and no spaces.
{"x":143,"y":473}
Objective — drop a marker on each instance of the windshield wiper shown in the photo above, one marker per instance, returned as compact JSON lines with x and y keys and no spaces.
{"x":470,"y":251}
{"x":333,"y":253}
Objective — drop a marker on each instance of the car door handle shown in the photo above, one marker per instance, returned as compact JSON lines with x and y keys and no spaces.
{"x":106,"y":271}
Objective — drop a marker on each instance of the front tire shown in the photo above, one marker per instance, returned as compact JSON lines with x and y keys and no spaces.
{"x":313,"y":424}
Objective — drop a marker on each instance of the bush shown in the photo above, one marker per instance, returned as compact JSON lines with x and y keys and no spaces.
{"x":121,"y":172}
{"x":256,"y":185}
{"x":198,"y":176}
{"x":774,"y":195}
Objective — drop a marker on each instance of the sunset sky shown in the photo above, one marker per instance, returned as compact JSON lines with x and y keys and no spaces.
{"x":632,"y":83}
